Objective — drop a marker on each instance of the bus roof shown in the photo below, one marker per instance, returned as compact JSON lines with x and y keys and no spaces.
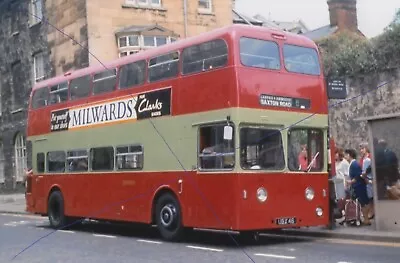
{"x":232,"y":30}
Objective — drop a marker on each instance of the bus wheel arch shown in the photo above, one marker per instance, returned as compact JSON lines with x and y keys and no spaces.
{"x":56,"y":208}
{"x":167,"y":214}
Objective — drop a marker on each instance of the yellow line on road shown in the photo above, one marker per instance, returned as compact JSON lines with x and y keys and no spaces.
{"x":337,"y":240}
{"x":358,"y":242}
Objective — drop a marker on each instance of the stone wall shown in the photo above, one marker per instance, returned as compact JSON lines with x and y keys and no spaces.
{"x":19,"y":42}
{"x":68,"y":20}
{"x":364,"y":99}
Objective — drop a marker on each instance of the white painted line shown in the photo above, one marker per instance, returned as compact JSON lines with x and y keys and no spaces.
{"x":149,"y":241}
{"x":8,"y":224}
{"x":275,"y":256}
{"x":66,"y":231}
{"x":97,"y":235}
{"x":206,"y":248}
{"x":344,"y":262}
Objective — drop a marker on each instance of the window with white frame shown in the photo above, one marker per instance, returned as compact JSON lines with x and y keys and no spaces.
{"x":154,"y":3}
{"x":205,"y":5}
{"x":38,"y":67}
{"x":20,"y":157}
{"x":132,"y":44}
{"x":36,"y":15}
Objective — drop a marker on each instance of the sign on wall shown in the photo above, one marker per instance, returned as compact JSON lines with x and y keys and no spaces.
{"x":336,"y":88}
{"x":128,"y":108}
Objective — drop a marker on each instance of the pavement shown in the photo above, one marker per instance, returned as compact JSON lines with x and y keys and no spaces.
{"x":15,"y":204}
{"x":27,"y":238}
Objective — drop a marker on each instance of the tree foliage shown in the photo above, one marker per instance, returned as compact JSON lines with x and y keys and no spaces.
{"x":349,"y":54}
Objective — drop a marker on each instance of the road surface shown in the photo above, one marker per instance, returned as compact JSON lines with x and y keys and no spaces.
{"x":103,"y":242}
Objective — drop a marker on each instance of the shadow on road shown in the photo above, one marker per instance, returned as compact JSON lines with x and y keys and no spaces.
{"x":197,"y":237}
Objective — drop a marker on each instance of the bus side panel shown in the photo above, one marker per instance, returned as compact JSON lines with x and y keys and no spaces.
{"x":214,"y":196}
{"x":207,"y":91}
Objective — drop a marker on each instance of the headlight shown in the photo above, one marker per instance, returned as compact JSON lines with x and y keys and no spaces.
{"x":309,"y":194}
{"x":319,"y":211}
{"x":262,"y":194}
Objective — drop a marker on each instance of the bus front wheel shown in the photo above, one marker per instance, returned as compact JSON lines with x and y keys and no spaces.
{"x":168,"y":217}
{"x":56,"y":210}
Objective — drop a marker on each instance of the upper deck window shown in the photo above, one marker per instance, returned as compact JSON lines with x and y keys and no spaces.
{"x":80,"y":87}
{"x":104,"y":81}
{"x":301,"y":60}
{"x":259,"y":53}
{"x":206,"y":56}
{"x":163,"y":67}
{"x":40,"y":98}
{"x":59,"y":93}
{"x":132,"y":74}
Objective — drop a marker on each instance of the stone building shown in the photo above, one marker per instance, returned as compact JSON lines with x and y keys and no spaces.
{"x":109,"y":29}
{"x":24,"y":60}
{"x":75,"y":34}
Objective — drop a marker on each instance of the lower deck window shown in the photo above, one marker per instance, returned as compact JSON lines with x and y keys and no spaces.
{"x":306,"y":148}
{"x":40,"y":162}
{"x":77,"y":161}
{"x":129,"y":157}
{"x":261,"y":149}
{"x":56,"y":162}
{"x":214,"y":151}
{"x":102,"y":159}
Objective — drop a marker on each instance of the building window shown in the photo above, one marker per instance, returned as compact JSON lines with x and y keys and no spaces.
{"x":36,"y":15}
{"x":205,"y":5}
{"x":132,"y":44}
{"x":20,"y":157}
{"x":38,"y":66}
{"x":2,"y":161}
{"x":155,"y":3}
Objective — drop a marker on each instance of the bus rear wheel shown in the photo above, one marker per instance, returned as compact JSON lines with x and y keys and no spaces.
{"x":55,"y":209}
{"x":168,"y":218}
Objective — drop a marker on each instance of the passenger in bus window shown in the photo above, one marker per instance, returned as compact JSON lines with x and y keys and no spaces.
{"x":302,"y":158}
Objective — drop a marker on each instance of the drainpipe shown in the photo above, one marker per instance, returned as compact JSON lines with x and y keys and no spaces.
{"x":185,"y":17}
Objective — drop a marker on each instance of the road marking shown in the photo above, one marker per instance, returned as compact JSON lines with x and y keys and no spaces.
{"x":149,"y":241}
{"x":66,"y":231}
{"x":9,"y":224}
{"x":206,"y":248}
{"x":24,"y":216}
{"x":344,"y":262}
{"x":97,"y":235}
{"x":275,"y":256}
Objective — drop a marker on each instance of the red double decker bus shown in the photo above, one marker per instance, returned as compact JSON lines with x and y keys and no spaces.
{"x":213,"y":131}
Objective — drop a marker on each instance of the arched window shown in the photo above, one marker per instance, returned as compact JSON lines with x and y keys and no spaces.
{"x":2,"y":177}
{"x":20,"y":157}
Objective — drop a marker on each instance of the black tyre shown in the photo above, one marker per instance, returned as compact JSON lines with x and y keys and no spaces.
{"x":55,"y":209}
{"x":168,"y":218}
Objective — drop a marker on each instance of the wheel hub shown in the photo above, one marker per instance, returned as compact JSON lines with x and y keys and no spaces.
{"x":167,"y":215}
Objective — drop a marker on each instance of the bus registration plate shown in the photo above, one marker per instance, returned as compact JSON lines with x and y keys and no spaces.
{"x":286,"y":221}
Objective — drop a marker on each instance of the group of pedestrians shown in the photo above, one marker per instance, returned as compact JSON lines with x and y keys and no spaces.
{"x":357,"y":177}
